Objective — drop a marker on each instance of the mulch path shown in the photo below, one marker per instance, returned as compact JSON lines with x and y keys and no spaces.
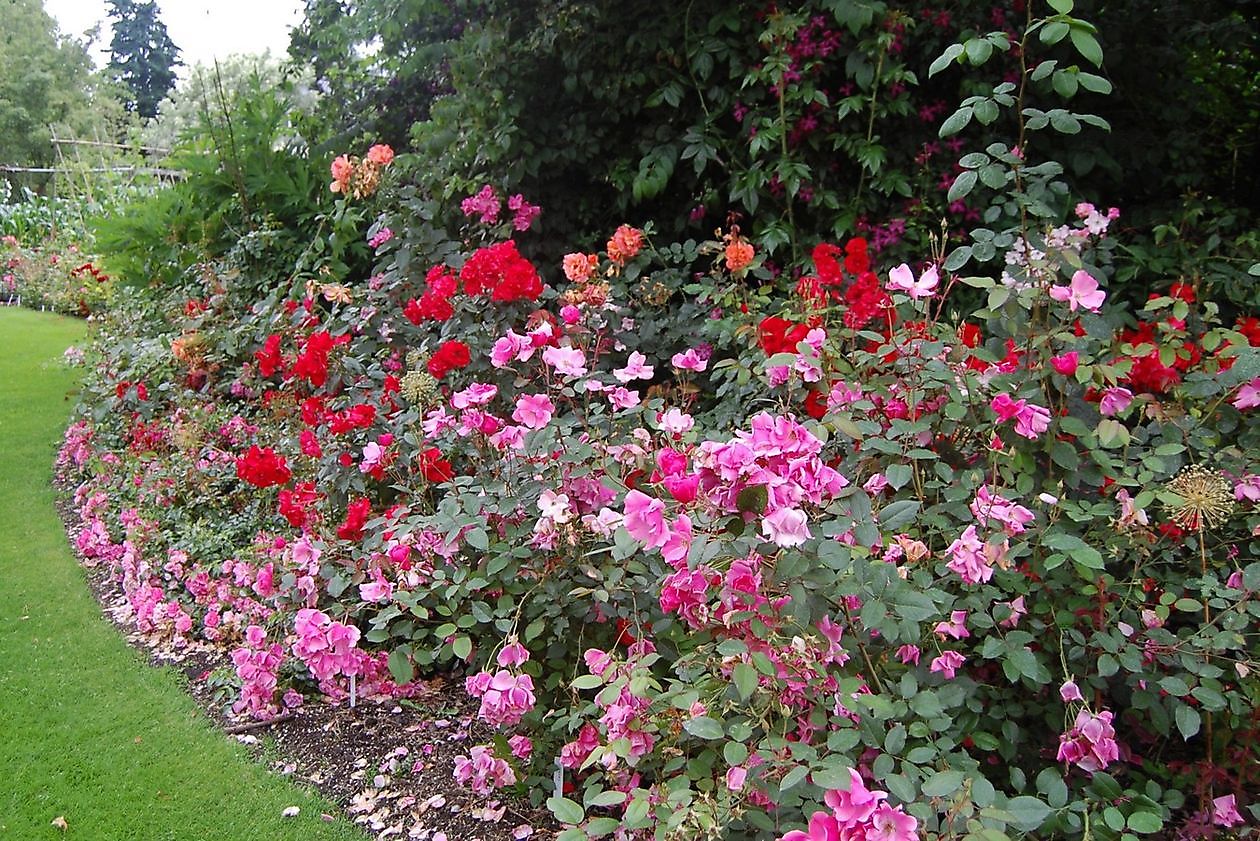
{"x":387,"y":765}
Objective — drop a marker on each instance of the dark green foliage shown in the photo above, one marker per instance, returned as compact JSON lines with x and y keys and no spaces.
{"x":376,"y":94}
{"x":142,"y":56}
{"x":711,"y":112}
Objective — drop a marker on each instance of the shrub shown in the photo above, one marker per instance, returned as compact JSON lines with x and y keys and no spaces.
{"x":869,"y":548}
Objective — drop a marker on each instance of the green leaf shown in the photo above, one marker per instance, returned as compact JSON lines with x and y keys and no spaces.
{"x":1029,"y":812}
{"x":1064,"y":122}
{"x":477,"y":539}
{"x":599,"y":827}
{"x":1111,"y":434}
{"x":1063,"y":7}
{"x":1174,"y":686}
{"x":793,"y":777}
{"x":587,"y":682}
{"x":1075,"y":548}
{"x":1145,"y":822}
{"x":1066,"y":84}
{"x":945,"y":59}
{"x":978,"y":51}
{"x":606,"y":798}
{"x":956,"y":121}
{"x":704,"y":727}
{"x":1054,"y":32}
{"x":400,"y":667}
{"x":1094,"y":84}
{"x":986,"y":112}
{"x":943,"y":783}
{"x":993,"y":176}
{"x":752,"y":499}
{"x":963,"y":184}
{"x":832,"y":777}
{"x":926,"y":705}
{"x":745,"y":679}
{"x":957,"y":258}
{"x":462,"y":646}
{"x":897,"y":514}
{"x":566,"y":810}
{"x":898,"y":475}
{"x":1087,"y":45}
{"x":1188,"y":721}
{"x":1050,"y":783}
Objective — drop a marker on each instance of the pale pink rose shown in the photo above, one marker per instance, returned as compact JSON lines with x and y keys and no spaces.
{"x":901,"y":279}
{"x":1083,"y":292}
{"x":533,"y":411}
{"x":786,"y":527}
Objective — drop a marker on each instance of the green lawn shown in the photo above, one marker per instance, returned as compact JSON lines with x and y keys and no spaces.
{"x":88,"y":732}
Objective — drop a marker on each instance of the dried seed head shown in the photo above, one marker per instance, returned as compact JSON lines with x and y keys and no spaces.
{"x":1207,"y":498}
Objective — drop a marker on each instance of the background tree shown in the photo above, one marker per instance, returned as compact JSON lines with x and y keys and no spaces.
{"x":39,"y":69}
{"x":205,"y":86}
{"x":47,"y":82}
{"x":142,"y":55}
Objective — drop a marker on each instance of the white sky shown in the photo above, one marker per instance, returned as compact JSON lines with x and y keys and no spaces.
{"x":202,"y":29}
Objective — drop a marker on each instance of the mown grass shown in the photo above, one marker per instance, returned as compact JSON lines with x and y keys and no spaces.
{"x":88,"y":731}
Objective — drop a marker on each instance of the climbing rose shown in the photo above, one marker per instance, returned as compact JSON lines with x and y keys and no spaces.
{"x":1066,"y":363}
{"x":948,"y":664}
{"x":1225,"y":811}
{"x":1248,"y":396}
{"x":1114,"y":401}
{"x":484,"y":204}
{"x":502,"y":271}
{"x":969,"y":559}
{"x":381,"y":154}
{"x":580,"y":267}
{"x":451,"y":355}
{"x":786,"y":527}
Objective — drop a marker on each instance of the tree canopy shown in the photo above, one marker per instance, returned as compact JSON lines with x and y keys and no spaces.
{"x":44,"y":80}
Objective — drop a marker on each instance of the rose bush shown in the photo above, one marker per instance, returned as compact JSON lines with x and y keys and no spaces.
{"x":53,"y":274}
{"x":860,"y":551}
{"x":807,"y":564}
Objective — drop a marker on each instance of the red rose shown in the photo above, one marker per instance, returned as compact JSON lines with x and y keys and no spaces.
{"x":433,"y":467}
{"x":356,"y":515}
{"x":452,"y":355}
{"x":269,"y":359}
{"x":262,"y":468}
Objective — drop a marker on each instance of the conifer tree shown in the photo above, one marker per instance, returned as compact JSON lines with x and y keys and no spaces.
{"x":142,"y":55}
